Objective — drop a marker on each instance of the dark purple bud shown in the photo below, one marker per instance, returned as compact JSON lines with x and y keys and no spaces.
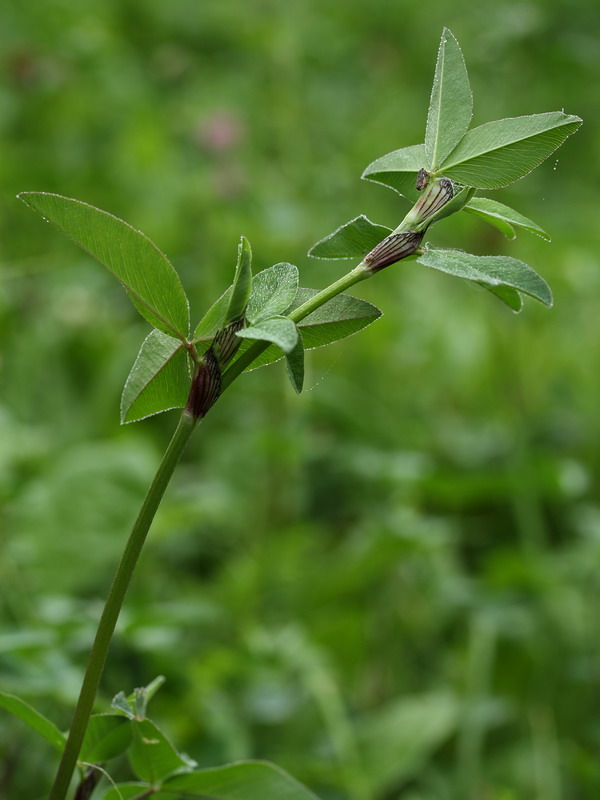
{"x":206,"y":386}
{"x":226,"y":343}
{"x":393,"y":248}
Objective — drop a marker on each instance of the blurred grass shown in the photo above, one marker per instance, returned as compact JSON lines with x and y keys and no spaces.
{"x":388,"y":585}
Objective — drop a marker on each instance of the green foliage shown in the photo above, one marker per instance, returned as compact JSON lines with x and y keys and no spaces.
{"x":487,"y":157}
{"x":340,"y":317}
{"x":152,"y":756}
{"x":443,"y":474}
{"x":251,"y":780}
{"x":153,"y":759}
{"x":136,"y":704}
{"x":398,"y":740}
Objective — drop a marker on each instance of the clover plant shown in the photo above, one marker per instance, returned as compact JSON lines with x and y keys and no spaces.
{"x":259,"y":319}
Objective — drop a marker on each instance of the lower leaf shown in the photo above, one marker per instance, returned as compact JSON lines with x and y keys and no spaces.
{"x":106,"y":737}
{"x":36,"y":721}
{"x":151,"y":755}
{"x":159,"y":379}
{"x":245,"y":780}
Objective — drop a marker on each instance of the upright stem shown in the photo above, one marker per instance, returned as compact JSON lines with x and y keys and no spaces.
{"x":135,"y":543}
{"x":114,"y":603}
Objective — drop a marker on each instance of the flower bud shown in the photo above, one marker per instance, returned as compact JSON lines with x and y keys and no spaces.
{"x":206,"y":386}
{"x":226,"y":343}
{"x":393,"y":248}
{"x":431,"y":201}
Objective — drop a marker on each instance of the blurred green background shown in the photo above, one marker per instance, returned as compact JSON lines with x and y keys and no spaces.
{"x":390,"y":585}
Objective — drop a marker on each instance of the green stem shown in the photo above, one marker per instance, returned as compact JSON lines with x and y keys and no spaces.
{"x":359,"y":273}
{"x":114,"y":602}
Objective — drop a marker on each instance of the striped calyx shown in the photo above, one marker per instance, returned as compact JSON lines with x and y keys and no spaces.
{"x":393,"y":248}
{"x":206,"y":386}
{"x":433,"y":199}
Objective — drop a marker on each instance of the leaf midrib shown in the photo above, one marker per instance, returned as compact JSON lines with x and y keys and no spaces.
{"x":439,"y":105}
{"x":447,"y":166}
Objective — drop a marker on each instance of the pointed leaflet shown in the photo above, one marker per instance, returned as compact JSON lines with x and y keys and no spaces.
{"x":498,"y":153}
{"x":489,"y":270}
{"x":106,"y":737}
{"x":151,"y":755}
{"x":341,"y":316}
{"x":281,"y":331}
{"x":503,"y":217}
{"x":135,"y":704}
{"x":132,"y":790}
{"x":244,"y":780}
{"x":146,"y":273}
{"x":451,"y":103}
{"x":242,"y":283}
{"x":396,"y":740}
{"x":273,"y":290}
{"x":212,"y":322}
{"x":159,"y":379}
{"x":354,"y":239}
{"x":36,"y":721}
{"x":123,"y":705}
{"x":146,"y":693}
{"x":510,"y":297}
{"x":398,"y":170}
{"x":295,"y":365}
